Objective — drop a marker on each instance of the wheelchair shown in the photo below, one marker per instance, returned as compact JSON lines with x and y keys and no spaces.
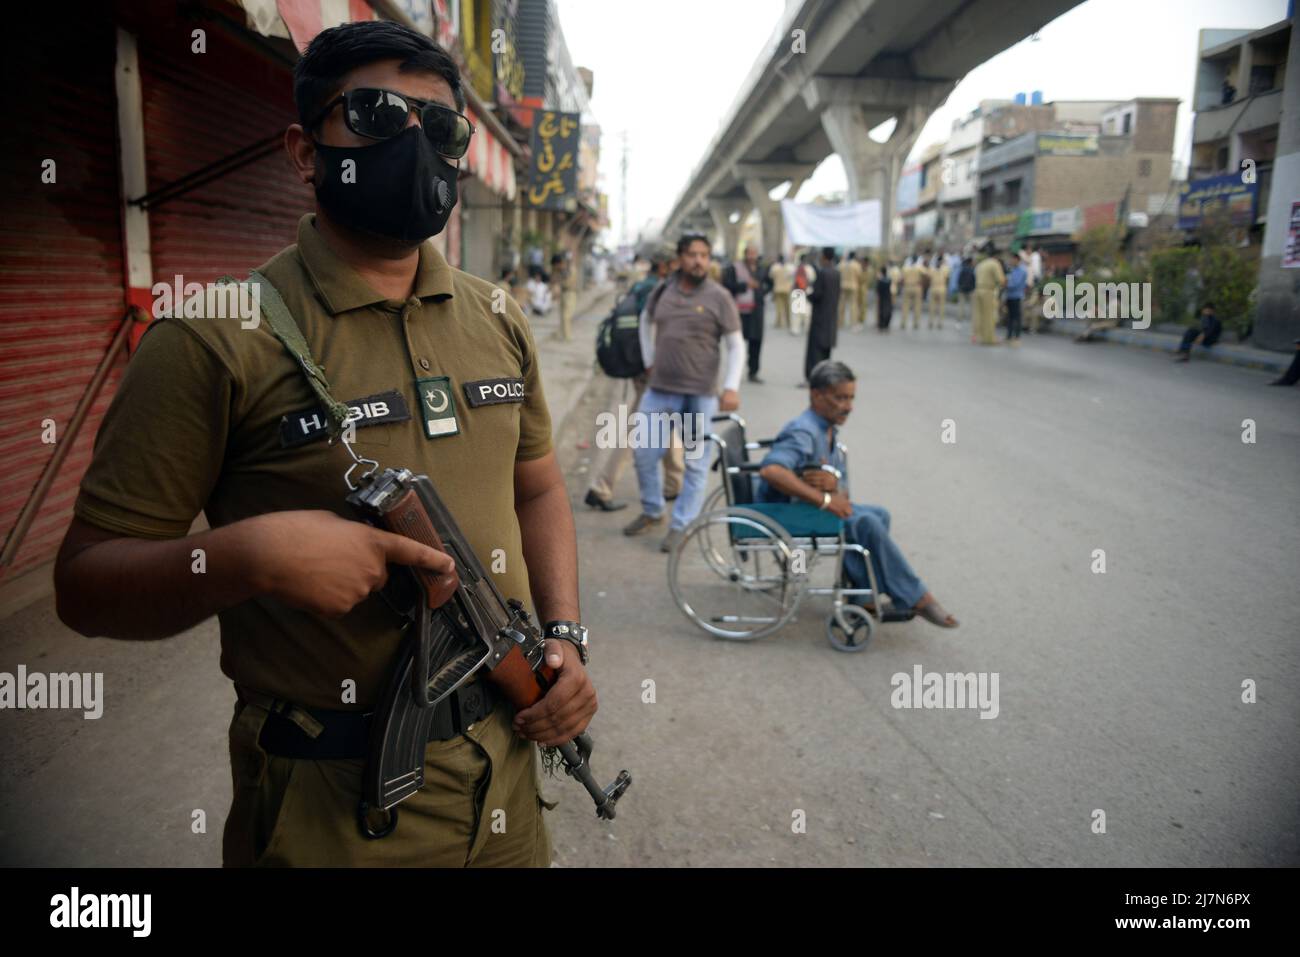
{"x":741,"y":569}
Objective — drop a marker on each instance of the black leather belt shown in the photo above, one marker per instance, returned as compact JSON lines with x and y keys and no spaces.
{"x":346,"y":734}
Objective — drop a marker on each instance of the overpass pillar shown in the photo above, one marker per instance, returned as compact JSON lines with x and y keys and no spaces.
{"x":872,"y":168}
{"x":769,"y":211}
{"x":722,"y":211}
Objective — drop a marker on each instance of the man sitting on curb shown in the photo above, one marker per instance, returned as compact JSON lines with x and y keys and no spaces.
{"x":791,"y":473}
{"x":1207,"y":335}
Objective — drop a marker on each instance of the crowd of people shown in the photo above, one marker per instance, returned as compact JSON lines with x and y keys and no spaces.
{"x":700,"y":332}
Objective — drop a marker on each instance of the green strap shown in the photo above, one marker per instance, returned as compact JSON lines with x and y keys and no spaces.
{"x":283,"y":326}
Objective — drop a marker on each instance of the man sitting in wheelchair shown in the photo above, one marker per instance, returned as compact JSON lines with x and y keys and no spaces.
{"x":795,"y":470}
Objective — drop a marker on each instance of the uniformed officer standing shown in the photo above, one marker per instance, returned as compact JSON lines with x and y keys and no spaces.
{"x":989,"y":280}
{"x":442,"y":378}
{"x":850,"y":279}
{"x":911,"y":283}
{"x":782,"y":276}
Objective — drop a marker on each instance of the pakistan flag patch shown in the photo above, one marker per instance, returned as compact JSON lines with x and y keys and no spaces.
{"x":437,"y":406}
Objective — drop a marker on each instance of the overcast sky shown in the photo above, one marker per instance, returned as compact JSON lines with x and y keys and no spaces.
{"x":666,"y":73}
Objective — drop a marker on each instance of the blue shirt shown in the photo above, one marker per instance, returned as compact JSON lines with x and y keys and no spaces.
{"x":803,"y":443}
{"x":1016,"y":282}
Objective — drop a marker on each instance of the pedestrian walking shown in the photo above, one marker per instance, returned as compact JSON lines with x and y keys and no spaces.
{"x":989,"y":280}
{"x":748,"y":283}
{"x":611,"y":462}
{"x":822,"y":327}
{"x":681,"y":333}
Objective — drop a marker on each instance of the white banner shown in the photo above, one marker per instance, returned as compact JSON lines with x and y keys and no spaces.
{"x":849,"y":225}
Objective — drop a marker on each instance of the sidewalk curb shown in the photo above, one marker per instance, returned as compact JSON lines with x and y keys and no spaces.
{"x":1163,"y":342}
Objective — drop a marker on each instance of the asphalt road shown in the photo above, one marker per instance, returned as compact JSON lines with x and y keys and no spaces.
{"x":1120,"y":692}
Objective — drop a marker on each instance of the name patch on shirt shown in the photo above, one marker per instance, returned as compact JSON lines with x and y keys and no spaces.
{"x":493,"y":391}
{"x":299,"y":428}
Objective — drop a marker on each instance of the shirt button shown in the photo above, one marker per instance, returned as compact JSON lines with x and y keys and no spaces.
{"x":424,"y":364}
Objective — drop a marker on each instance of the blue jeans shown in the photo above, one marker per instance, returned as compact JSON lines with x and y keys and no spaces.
{"x":691,"y":497}
{"x":869,"y":527}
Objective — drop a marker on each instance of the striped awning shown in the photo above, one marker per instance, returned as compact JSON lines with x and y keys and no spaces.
{"x":489,"y":160}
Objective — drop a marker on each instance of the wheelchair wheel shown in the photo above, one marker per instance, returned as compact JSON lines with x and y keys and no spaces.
{"x":731,"y":574}
{"x":851,"y":629}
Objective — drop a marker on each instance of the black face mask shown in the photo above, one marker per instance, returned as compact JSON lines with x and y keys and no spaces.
{"x":402,"y":188}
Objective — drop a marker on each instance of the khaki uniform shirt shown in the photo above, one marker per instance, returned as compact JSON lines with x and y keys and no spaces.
{"x":911,"y":277}
{"x":782,"y":276}
{"x":989,"y":274}
{"x":196,"y":426}
{"x":850,"y":274}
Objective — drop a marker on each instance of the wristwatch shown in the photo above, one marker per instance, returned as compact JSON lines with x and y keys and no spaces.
{"x":826,"y":500}
{"x":572,"y":632}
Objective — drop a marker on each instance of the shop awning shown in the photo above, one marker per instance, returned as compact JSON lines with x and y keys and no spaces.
{"x":489,"y":160}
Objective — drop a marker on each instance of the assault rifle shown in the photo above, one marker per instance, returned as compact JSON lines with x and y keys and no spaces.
{"x":461,"y":624}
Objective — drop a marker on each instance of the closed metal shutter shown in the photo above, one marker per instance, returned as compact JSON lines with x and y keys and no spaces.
{"x":62,"y":292}
{"x":199,"y":109}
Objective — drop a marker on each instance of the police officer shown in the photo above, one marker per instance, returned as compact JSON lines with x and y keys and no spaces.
{"x":215,"y":416}
{"x":989,"y":280}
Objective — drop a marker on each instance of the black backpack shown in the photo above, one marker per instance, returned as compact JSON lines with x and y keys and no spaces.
{"x":966,"y":279}
{"x":618,"y":341}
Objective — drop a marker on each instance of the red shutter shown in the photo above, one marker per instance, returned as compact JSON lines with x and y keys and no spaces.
{"x":61,"y":273}
{"x":199,"y":108}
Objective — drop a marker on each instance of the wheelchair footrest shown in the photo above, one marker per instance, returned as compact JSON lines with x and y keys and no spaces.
{"x":897,"y":614}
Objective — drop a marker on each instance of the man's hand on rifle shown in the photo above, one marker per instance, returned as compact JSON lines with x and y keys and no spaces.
{"x":567,"y":708}
{"x":325,"y":564}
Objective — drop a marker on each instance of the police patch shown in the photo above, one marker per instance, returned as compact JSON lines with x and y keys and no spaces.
{"x":493,"y":391}
{"x":299,"y":428}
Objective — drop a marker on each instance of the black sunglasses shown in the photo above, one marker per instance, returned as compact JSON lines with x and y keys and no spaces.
{"x":382,"y":114}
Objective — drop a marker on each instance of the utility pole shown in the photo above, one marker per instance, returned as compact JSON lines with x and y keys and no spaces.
{"x":623,"y":237}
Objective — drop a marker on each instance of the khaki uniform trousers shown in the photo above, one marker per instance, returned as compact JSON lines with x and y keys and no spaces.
{"x":912,"y":306}
{"x":480,"y":805}
{"x":848,"y":306}
{"x":986,"y":316}
{"x":937,"y":301}
{"x":782,"y":302}
{"x":612,"y":462}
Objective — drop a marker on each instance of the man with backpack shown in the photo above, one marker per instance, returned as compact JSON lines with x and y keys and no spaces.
{"x":966,"y":286}
{"x":618,"y":350}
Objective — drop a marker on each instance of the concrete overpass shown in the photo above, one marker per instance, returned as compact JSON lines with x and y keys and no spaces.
{"x":832,"y":71}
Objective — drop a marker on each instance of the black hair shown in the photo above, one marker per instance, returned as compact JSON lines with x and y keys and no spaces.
{"x":828,"y":252}
{"x":684,"y":243}
{"x":1208,"y":305}
{"x":557,"y":258}
{"x":335,"y":52}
